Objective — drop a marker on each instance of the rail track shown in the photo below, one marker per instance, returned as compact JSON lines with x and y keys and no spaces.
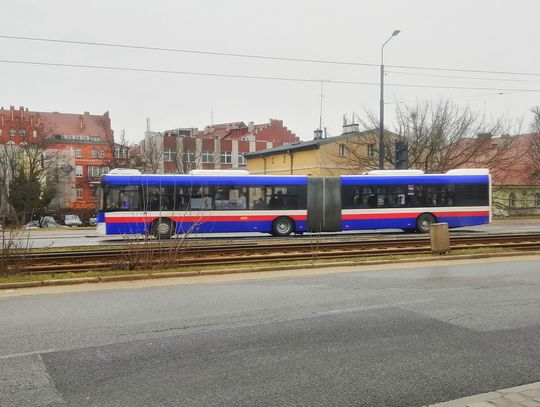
{"x":167,"y":255}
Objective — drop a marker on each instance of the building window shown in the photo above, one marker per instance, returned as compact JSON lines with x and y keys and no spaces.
{"x":101,"y":153}
{"x":93,"y":153}
{"x":120,"y":152}
{"x":78,"y":152}
{"x":168,"y":155}
{"x":34,"y":133}
{"x":371,"y":150}
{"x":95,"y":171}
{"x":512,"y":200}
{"x":537,"y":200}
{"x":79,"y":192}
{"x":78,"y":170}
{"x":341,"y":150}
{"x":241,"y":159}
{"x":207,"y":157}
{"x":22,"y":132}
{"x":226,"y":157}
{"x":189,"y":156}
{"x":12,"y":132}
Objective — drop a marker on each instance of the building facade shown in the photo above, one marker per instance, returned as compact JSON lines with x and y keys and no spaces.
{"x":78,"y":149}
{"x":220,"y":146}
{"x":352,"y":152}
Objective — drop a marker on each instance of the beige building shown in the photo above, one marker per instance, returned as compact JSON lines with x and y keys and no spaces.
{"x":353,"y":152}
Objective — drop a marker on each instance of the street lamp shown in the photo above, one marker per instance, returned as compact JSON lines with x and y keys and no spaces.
{"x":381,"y":114}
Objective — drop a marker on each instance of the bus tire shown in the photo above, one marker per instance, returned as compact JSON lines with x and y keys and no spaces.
{"x":424,"y":221}
{"x":162,"y":228}
{"x":282,"y":226}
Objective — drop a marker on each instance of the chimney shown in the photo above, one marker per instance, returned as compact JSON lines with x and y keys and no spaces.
{"x":251,"y":126}
{"x":317,"y":134}
{"x":351,"y":128}
{"x":148,"y":124}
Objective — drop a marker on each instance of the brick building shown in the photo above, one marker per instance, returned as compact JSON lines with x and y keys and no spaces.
{"x":220,"y":146}
{"x":80,"y":144}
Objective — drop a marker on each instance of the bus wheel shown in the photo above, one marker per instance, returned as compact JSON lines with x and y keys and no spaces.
{"x":282,"y":226}
{"x":162,"y":228}
{"x":424,"y":221}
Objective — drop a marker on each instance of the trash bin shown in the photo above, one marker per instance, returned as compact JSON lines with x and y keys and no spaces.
{"x":440,"y":239}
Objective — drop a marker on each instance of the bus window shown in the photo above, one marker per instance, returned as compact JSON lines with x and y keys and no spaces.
{"x":278,"y":197}
{"x":201,"y":197}
{"x":258,"y":198}
{"x":122,"y":198}
{"x":231,"y":197}
{"x":472,"y":195}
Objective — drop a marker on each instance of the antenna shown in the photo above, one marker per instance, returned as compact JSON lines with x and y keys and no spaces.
{"x":321,"y":111}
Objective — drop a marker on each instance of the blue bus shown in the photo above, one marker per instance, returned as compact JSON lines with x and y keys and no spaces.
{"x":236,"y":201}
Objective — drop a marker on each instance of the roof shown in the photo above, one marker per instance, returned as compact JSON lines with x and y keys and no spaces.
{"x":71,"y":123}
{"x":309,"y":145}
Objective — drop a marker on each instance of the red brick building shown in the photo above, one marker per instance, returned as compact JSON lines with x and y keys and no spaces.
{"x":82,"y":143}
{"x":219,"y":146}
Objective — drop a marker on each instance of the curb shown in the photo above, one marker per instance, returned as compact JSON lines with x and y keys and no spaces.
{"x":146,"y":276}
{"x":514,"y":396}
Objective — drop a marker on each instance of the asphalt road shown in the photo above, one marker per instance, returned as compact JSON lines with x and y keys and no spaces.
{"x":65,"y":237}
{"x":390,"y":337}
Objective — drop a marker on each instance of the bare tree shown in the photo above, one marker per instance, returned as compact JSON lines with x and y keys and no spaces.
{"x":440,"y":136}
{"x":151,"y":156}
{"x":26,"y":187}
{"x":533,"y":150}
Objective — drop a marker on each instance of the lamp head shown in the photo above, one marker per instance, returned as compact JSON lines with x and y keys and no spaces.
{"x":396,"y":32}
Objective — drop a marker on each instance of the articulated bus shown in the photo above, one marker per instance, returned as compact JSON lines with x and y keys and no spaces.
{"x":235,"y":201}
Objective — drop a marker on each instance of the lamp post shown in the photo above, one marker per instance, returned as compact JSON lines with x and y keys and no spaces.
{"x":381,"y":109}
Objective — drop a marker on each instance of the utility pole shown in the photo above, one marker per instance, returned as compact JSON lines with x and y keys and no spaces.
{"x":381,"y":107}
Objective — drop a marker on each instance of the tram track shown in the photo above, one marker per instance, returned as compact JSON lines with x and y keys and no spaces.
{"x":185,"y":254}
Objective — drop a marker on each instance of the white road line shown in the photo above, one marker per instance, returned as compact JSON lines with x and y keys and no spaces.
{"x":38,"y":352}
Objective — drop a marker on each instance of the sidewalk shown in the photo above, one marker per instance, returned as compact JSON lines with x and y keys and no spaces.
{"x":527,"y":395}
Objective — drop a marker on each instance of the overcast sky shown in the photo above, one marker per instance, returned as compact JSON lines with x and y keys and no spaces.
{"x":490,"y":35}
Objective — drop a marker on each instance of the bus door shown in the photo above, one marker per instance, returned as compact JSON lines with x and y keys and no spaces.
{"x":324,"y":204}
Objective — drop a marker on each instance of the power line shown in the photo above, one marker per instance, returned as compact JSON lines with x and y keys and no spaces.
{"x":187,"y":51}
{"x":275,"y":78}
{"x":463,"y":70}
{"x":254,"y":56}
{"x":461,"y":77}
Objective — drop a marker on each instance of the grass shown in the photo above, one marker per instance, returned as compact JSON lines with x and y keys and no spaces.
{"x":23,"y":277}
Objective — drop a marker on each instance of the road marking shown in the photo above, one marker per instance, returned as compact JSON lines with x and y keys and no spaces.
{"x":378,"y":306}
{"x":26,"y":382}
{"x":19,"y":355}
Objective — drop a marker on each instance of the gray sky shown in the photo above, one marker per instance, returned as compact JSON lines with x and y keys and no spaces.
{"x":471,"y":34}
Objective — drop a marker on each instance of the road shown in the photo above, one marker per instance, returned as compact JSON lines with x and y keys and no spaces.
{"x":64,"y":237}
{"x":392,"y":336}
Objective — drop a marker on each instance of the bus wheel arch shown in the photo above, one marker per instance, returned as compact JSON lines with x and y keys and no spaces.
{"x":283,"y":226}
{"x":424,"y":221}
{"x":162,"y":228}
